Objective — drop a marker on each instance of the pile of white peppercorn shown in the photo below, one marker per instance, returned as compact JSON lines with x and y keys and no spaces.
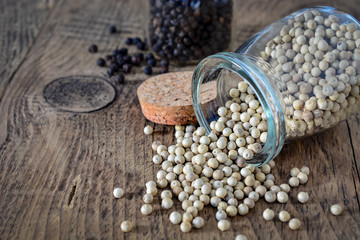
{"x":211,"y":169}
{"x":317,"y":55}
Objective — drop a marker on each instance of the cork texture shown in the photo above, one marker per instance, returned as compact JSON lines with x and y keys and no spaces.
{"x":166,"y":98}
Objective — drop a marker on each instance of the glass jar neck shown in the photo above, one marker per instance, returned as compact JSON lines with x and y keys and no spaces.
{"x":260,"y":76}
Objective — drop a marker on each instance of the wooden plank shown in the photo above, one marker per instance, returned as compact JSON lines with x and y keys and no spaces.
{"x":58,"y":169}
{"x":20,"y":23}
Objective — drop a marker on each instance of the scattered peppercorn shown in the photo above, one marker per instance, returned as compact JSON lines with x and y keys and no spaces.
{"x":93,"y":48}
{"x":149,"y":56}
{"x":140,"y":46}
{"x":112,"y":29}
{"x":284,"y":216}
{"x":148,"y":70}
{"x":151,"y":62}
{"x":135,"y":60}
{"x":146,"y":209}
{"x":118,"y":193}
{"x":119,"y":78}
{"x":175,"y":218}
{"x":116,"y":52}
{"x":148,"y":130}
{"x":110,"y":72}
{"x":164,"y":62}
{"x":100,"y":62}
{"x":303,"y":197}
{"x":163,"y":69}
{"x":129,"y":41}
{"x":336,"y":209}
{"x":241,"y":237}
{"x":126,"y":226}
{"x":294,"y":224}
{"x":123,"y":51}
{"x":114,"y":67}
{"x":126,"y":68}
{"x":140,"y":56}
{"x":109,"y":58}
{"x":268,"y":214}
{"x":137,"y":40}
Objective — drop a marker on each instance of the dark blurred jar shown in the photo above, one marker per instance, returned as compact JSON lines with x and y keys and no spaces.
{"x":184,"y":31}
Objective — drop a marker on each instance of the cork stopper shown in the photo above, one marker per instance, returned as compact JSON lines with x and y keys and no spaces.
{"x":166,"y":98}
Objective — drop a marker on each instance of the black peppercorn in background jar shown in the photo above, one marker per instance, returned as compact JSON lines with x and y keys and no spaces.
{"x":184,"y":31}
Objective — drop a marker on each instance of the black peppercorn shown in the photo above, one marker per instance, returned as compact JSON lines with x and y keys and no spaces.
{"x":123,"y":51}
{"x":129,"y":41}
{"x":137,"y":40}
{"x":93,"y":48}
{"x":108,"y":57}
{"x":127,"y":59}
{"x":163,"y":69}
{"x":120,"y":62}
{"x":164,"y":62}
{"x":184,"y":30}
{"x":148,"y":70}
{"x":135,"y":60}
{"x":149,"y":56}
{"x":116,"y":52}
{"x":114,"y":67}
{"x":140,"y":56}
{"x":112,"y":29}
{"x":100,"y":62}
{"x":140,"y":46}
{"x":119,"y":79}
{"x":151,"y":62}
{"x":126,"y":68}
{"x":110,"y":72}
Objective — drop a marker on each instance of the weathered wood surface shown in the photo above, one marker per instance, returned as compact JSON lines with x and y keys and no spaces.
{"x":20,"y":23}
{"x":58,"y":168}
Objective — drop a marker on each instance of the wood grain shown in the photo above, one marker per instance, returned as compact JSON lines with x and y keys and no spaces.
{"x":20,"y":22}
{"x":58,"y":169}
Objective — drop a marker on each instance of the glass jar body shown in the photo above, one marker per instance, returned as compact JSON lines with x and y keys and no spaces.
{"x":304,"y":70}
{"x":186,"y":31}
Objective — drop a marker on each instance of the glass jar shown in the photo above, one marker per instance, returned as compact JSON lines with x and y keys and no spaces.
{"x":184,"y":31}
{"x":304,"y":70}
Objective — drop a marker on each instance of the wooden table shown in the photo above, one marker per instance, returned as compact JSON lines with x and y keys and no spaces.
{"x":58,"y":168}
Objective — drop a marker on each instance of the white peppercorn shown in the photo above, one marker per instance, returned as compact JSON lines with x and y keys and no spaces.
{"x":175,"y":217}
{"x":126,"y":226}
{"x":336,"y":209}
{"x":243,"y":209}
{"x":282,"y":197}
{"x":185,"y":226}
{"x":241,"y":237}
{"x":305,"y":170}
{"x":198,"y":222}
{"x":294,"y":182}
{"x":118,"y":192}
{"x":268,"y":214}
{"x":284,"y":216}
{"x":270,"y":196}
{"x":223,"y":225}
{"x":146,"y":209}
{"x":294,"y":172}
{"x":148,"y":130}
{"x":167,"y":203}
{"x":294,"y":224}
{"x":303,"y":178}
{"x":303,"y":197}
{"x":285,"y":187}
